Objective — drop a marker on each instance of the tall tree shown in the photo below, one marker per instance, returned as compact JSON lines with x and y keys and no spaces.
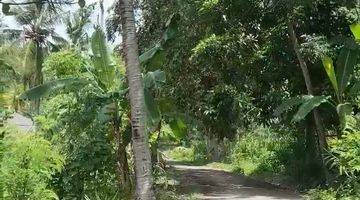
{"x":142,"y":157}
{"x":37,"y":20}
{"x":305,"y":71}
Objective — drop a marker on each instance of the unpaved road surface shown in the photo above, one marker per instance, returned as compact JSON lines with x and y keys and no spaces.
{"x":208,"y":183}
{"x":25,"y":124}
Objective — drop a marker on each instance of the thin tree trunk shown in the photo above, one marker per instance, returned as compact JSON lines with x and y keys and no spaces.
{"x":122,"y":165}
{"x":38,"y":78}
{"x":318,"y":123}
{"x":140,"y":140}
{"x":154,"y":147}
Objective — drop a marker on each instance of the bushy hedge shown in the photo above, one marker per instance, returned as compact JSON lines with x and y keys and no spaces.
{"x":262,"y":151}
{"x":27,"y":163}
{"x":344,"y":157}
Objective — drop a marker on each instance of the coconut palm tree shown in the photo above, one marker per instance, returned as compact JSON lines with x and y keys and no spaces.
{"x":76,"y":24}
{"x":36,"y":30}
{"x":142,"y":157}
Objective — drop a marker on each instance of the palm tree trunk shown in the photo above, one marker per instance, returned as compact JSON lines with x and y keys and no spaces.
{"x":38,"y":78}
{"x":318,"y":123}
{"x":140,"y":140}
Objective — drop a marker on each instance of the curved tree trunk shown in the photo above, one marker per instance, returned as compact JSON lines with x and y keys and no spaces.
{"x":140,"y":143}
{"x":318,"y":123}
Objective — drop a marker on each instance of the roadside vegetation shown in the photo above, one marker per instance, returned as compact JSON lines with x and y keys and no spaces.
{"x":267,"y":89}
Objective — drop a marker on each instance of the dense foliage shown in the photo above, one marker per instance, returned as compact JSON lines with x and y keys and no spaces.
{"x":27,"y":165}
{"x":270,"y":88}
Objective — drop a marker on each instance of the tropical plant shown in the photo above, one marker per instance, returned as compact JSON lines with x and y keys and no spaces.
{"x":13,"y":71}
{"x":37,"y":20}
{"x":107,"y":82}
{"x":339,"y":79}
{"x":76,"y":27}
{"x":263,"y":151}
{"x":27,"y":164}
{"x":64,"y":64}
{"x":142,"y":157}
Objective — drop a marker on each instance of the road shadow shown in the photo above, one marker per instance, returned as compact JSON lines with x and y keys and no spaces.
{"x":217,"y":184}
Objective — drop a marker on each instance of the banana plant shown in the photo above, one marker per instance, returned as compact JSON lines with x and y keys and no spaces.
{"x":346,"y":61}
{"x":161,"y":108}
{"x":339,"y":78}
{"x":104,"y":74}
{"x":108,"y":85}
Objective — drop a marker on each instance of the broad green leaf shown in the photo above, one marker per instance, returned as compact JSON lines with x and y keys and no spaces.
{"x":49,"y":87}
{"x":106,"y":113}
{"x":104,"y":70}
{"x":308,"y":106}
{"x":343,"y":110}
{"x":345,"y":66}
{"x":154,"y":79}
{"x":171,"y":28}
{"x":156,"y":62}
{"x":152,"y":110}
{"x":290,"y":103}
{"x":329,"y":68}
{"x":178,"y":127}
{"x":149,"y":54}
{"x":355,"y":29}
{"x":155,"y":56}
{"x":166,"y":106}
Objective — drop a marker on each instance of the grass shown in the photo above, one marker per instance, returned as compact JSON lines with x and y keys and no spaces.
{"x":221,"y":165}
{"x":9,"y":128}
{"x":245,"y":167}
{"x":184,"y":155}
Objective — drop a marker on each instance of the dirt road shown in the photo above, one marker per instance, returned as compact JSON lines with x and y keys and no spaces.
{"x":25,"y":124}
{"x":210,"y":183}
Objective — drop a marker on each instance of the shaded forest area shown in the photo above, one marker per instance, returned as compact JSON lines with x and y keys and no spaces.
{"x":266,"y":89}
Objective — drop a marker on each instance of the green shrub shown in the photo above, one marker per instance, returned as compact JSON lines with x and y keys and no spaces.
{"x":345,"y":153}
{"x":196,"y":154}
{"x":344,"y":157}
{"x":261,"y":151}
{"x":27,"y":165}
{"x":318,"y":194}
{"x":182,"y":154}
{"x":63,"y":64}
{"x":201,"y":152}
